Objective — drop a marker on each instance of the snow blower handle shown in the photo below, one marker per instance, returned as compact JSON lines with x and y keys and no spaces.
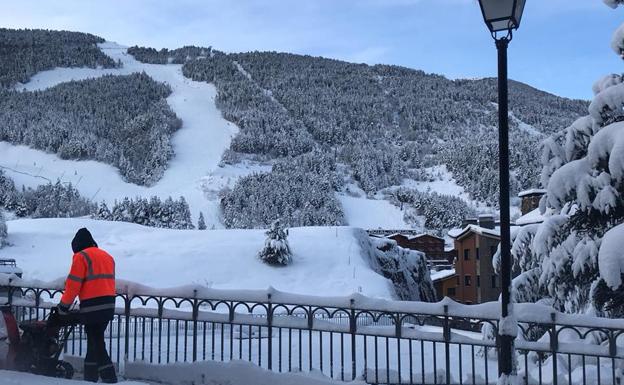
{"x":57,"y":318}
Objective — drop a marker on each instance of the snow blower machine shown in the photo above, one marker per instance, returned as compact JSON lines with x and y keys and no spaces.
{"x":38,"y":348}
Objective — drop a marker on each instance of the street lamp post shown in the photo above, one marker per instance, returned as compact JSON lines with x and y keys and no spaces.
{"x":503,"y":16}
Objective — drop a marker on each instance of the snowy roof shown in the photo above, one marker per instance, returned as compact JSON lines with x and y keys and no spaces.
{"x":425,"y":235}
{"x":410,"y":237}
{"x":10,"y":270}
{"x":533,"y":191}
{"x":534,"y":216}
{"x":453,"y":233}
{"x":438,"y":275}
{"x":495,"y":232}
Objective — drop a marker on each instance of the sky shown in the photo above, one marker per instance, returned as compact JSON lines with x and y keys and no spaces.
{"x":562,"y":46}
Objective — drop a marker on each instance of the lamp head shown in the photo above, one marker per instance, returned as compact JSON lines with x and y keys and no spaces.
{"x":502,"y":15}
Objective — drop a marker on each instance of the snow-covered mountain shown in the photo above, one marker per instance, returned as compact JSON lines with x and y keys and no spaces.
{"x":264,"y":135}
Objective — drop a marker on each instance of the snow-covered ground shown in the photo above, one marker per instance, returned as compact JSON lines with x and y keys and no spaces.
{"x":328,"y":261}
{"x":231,"y":373}
{"x":214,"y":373}
{"x":371,"y":213}
{"x":198,"y":145}
{"x":17,"y":378}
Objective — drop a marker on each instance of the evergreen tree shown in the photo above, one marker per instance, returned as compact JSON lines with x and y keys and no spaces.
{"x":155,"y":213}
{"x":201,"y":224}
{"x":571,"y":257}
{"x":3,"y":230}
{"x":276,"y":250}
{"x":104,"y":213}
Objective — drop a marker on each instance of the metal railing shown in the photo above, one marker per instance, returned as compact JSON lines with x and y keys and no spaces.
{"x":382,"y":342}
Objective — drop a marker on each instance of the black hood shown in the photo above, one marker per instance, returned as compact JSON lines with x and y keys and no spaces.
{"x":82,"y":240}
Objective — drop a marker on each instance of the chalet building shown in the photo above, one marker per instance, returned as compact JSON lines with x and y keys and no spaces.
{"x":530,"y":199}
{"x":475,"y":278}
{"x":445,"y":283}
{"x":530,"y":207}
{"x":432,"y":246}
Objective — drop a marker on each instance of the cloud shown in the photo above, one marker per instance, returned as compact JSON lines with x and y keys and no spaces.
{"x":442,"y":36}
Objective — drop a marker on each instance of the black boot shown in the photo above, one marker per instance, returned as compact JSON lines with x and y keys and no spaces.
{"x":108,"y":375}
{"x":91,"y":371}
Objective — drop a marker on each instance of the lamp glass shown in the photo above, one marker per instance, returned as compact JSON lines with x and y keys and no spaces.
{"x":500,"y":15}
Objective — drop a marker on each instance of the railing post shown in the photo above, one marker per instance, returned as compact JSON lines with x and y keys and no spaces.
{"x":127,"y":333}
{"x":447,"y":345}
{"x":352,"y":331}
{"x":554,"y":345}
{"x":612,"y":344}
{"x":195,"y":316}
{"x":270,"y":326}
{"x":10,"y":299}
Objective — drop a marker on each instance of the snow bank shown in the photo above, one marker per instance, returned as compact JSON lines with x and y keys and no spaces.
{"x":327,"y":261}
{"x":231,"y":373}
{"x":617,"y":42}
{"x":609,"y":102}
{"x":608,"y":143}
{"x":534,"y":216}
{"x":611,"y":257}
{"x":606,"y":82}
{"x":571,"y":177}
{"x":17,"y":378}
{"x":613,"y":3}
{"x":198,"y":145}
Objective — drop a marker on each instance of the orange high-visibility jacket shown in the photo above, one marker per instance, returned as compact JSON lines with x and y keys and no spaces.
{"x":92,"y":275}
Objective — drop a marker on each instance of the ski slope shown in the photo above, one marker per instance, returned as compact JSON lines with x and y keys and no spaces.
{"x":443,"y":183}
{"x":371,"y":213}
{"x":327,"y":261}
{"x":198,"y":145}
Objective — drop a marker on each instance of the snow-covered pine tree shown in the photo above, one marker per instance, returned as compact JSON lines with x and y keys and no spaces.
{"x":575,"y":256}
{"x":3,"y":230}
{"x":201,"y":223}
{"x":276,"y":250}
{"x":104,"y":213}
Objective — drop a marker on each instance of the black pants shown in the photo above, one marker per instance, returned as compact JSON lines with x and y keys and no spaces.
{"x":97,"y":363}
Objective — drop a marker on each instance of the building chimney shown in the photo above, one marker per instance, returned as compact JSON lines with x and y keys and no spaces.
{"x":486,"y":221}
{"x":469,"y":221}
{"x":530,"y":199}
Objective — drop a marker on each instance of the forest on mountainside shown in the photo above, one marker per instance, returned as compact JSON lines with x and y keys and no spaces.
{"x":25,"y":52}
{"x":123,"y":121}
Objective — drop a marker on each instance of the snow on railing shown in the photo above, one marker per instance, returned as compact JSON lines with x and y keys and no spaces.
{"x":379,"y":340}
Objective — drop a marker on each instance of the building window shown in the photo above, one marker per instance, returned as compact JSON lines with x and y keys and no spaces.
{"x":450,"y":291}
{"x":467,"y":280}
{"x":494,"y":279}
{"x":478,"y":281}
{"x":477,"y":253}
{"x":466,"y":254}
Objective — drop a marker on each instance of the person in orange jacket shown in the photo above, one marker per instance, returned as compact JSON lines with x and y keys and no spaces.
{"x":92,"y":280}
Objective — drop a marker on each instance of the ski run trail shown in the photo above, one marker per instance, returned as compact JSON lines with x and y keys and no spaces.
{"x":198,"y":145}
{"x":193,"y":172}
